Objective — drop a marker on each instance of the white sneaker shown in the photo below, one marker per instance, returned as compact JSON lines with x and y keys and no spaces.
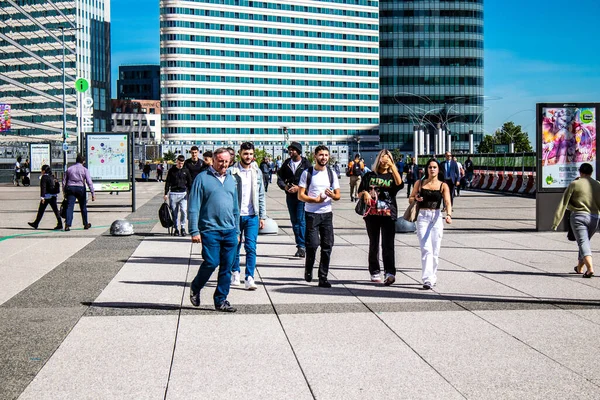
{"x":250,"y":285}
{"x":235,"y":278}
{"x":376,"y":277}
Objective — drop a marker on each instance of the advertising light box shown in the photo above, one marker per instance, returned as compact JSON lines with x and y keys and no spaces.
{"x":567,"y":140}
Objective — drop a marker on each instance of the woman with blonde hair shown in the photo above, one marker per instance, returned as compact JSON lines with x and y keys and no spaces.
{"x":378,"y":190}
{"x":429,"y":192}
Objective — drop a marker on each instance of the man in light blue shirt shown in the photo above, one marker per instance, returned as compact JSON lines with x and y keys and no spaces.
{"x":214,"y":218}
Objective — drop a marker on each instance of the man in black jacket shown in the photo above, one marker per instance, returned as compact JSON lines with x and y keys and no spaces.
{"x":177,"y":186}
{"x":194,"y":164}
{"x":288,"y":177}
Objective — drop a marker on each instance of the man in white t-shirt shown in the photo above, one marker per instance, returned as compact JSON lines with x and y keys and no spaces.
{"x":317,"y":191}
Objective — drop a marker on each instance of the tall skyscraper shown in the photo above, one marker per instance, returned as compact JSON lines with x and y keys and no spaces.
{"x":264,"y":71}
{"x":31,"y":71}
{"x":431,"y":71}
{"x":141,"y":82}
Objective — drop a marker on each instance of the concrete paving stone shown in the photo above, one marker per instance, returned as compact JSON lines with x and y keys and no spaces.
{"x":483,"y":362}
{"x":23,"y":267}
{"x":234,"y":357}
{"x":590,"y":314}
{"x":133,"y":364}
{"x":29,"y":338}
{"x":355,"y":356}
{"x":287,"y":286}
{"x":548,"y":331}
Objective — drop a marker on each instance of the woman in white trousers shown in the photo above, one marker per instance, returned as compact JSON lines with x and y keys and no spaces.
{"x":429,"y":192}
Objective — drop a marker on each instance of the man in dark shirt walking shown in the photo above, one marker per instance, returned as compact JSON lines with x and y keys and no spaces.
{"x":177,"y":186}
{"x":194,"y":164}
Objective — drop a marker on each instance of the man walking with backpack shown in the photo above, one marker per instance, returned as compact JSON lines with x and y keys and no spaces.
{"x":318,"y":187}
{"x":177,"y":186}
{"x":355,"y":171}
{"x":288,"y":177}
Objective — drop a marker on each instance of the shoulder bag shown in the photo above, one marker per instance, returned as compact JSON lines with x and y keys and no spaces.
{"x":412,"y":212}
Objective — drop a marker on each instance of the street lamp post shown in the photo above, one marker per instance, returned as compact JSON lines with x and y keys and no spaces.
{"x":64,"y":99}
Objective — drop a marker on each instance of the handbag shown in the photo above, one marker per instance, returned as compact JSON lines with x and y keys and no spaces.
{"x":570,"y":233}
{"x":412,"y":212}
{"x":63,"y":209}
{"x":361,"y":207}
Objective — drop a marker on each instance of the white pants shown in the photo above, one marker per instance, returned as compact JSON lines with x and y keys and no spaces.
{"x":179,"y":208}
{"x":430,"y":229}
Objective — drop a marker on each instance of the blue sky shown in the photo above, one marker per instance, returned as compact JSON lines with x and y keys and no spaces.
{"x":535,"y":51}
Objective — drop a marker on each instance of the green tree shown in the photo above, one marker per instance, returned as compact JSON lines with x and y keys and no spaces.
{"x":508,"y":133}
{"x":169,"y":156}
{"x":310,"y":156}
{"x":396,"y":154}
{"x":260,"y":154}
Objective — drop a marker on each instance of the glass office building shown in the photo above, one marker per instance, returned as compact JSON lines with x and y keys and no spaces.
{"x":431,"y":71}
{"x":264,"y":71}
{"x":140,"y":82}
{"x":31,"y":71}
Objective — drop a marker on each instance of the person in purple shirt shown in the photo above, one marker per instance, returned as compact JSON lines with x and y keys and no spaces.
{"x":74,"y":189}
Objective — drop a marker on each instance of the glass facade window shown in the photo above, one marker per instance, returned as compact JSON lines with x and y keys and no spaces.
{"x":266,"y":70}
{"x":431,"y":57}
{"x":31,"y":67}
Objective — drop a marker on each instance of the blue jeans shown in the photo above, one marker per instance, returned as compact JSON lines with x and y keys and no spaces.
{"x":296,"y":209}
{"x":218,"y":248}
{"x":76,"y":193}
{"x":249,"y":230}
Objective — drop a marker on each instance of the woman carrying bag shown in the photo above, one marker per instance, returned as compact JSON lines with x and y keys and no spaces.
{"x":378,"y":190}
{"x":429,"y":193}
{"x":49,"y":190}
{"x":582,"y":198}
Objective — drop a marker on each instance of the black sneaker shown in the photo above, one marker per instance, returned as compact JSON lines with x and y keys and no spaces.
{"x":58,"y":228}
{"x":33,"y":225}
{"x":324,"y":283}
{"x":182,"y":232}
{"x":308,"y":275}
{"x":225,"y":307}
{"x":176,"y":232}
{"x":427,"y":286}
{"x":300,"y":253}
{"x":194,"y":298}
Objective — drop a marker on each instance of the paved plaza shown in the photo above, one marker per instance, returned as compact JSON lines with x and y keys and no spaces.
{"x":84,"y":315}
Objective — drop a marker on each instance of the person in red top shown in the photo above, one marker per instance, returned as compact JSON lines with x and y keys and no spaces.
{"x":355,"y":171}
{"x":379,"y":189}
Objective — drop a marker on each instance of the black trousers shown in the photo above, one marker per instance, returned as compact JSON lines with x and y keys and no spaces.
{"x":451,"y":187}
{"x":409,"y":185}
{"x":385,"y":226}
{"x":266,"y":181}
{"x":42,"y":208}
{"x":319,"y":230}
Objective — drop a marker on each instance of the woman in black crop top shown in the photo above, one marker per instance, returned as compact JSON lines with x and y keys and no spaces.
{"x":429,"y":193}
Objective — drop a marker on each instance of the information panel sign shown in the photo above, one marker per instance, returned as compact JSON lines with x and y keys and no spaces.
{"x":107,"y":156}
{"x":4,"y":118}
{"x":39,"y":153}
{"x":567,"y":139}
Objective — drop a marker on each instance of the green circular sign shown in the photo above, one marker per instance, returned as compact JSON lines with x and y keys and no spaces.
{"x":586,"y":116}
{"x":82,"y":85}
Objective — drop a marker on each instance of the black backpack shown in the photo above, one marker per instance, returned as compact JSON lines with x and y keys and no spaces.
{"x":309,"y":173}
{"x":55,"y":185}
{"x":165,"y":217}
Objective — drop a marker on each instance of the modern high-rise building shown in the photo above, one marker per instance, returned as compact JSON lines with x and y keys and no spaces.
{"x":431,"y":54}
{"x":31,"y":65}
{"x":270,"y":71}
{"x":141,"y":82}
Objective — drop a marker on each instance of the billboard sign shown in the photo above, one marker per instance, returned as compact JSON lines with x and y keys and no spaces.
{"x":39,"y":154}
{"x":4,"y":118}
{"x":566,"y":139}
{"x":107,"y":156}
